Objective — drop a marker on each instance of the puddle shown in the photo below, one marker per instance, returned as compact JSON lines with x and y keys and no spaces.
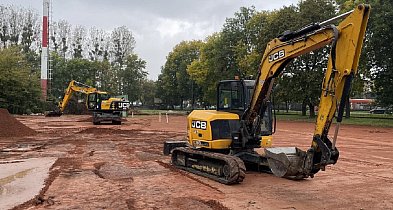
{"x":23,"y":148}
{"x":22,"y":180}
{"x":9,"y":179}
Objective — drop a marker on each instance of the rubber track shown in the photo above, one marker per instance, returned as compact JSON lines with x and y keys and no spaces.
{"x":237,"y":167}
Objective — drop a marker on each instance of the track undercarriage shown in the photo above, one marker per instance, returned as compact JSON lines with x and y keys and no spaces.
{"x":286,"y":162}
{"x":225,"y":169}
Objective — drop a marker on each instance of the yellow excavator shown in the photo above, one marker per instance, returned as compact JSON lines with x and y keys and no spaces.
{"x":103,"y":106}
{"x":222,"y":142}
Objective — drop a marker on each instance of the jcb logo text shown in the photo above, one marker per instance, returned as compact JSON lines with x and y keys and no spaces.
{"x":277,"y":55}
{"x":124,"y":105}
{"x":199,"y":124}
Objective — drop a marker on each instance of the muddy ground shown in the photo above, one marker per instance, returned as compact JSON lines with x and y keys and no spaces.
{"x":122,"y":167}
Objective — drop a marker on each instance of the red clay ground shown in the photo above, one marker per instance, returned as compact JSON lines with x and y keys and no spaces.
{"x":120,"y":167}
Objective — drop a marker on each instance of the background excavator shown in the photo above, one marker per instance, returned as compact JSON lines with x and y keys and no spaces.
{"x":103,"y":106}
{"x":221,"y":142}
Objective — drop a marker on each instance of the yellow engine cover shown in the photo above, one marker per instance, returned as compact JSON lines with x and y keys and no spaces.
{"x":106,"y":104}
{"x":212,"y":129}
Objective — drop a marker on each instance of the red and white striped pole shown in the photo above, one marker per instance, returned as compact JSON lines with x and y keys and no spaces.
{"x":44,"y":53}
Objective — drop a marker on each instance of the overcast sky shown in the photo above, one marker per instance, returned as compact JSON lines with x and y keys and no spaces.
{"x":157,"y":25}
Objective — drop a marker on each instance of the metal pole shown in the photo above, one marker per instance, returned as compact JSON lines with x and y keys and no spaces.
{"x":44,"y":51}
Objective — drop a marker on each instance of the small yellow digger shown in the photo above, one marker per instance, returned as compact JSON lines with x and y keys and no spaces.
{"x":103,"y":106}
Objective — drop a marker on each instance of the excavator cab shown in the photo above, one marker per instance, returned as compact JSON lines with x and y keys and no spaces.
{"x":231,"y":96}
{"x":234,"y":96}
{"x":94,"y":100}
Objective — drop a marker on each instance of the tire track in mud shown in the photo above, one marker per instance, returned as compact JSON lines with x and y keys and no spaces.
{"x":367,"y":174}
{"x":370,"y":169}
{"x":362,"y":162}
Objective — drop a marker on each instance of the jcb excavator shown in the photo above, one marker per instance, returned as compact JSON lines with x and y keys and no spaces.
{"x":221,"y":142}
{"x":104,"y":107}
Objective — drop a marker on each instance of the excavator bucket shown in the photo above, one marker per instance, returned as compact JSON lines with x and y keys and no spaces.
{"x":287,"y":162}
{"x":53,"y":114}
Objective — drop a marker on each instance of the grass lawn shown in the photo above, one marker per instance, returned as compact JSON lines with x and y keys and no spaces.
{"x":356,"y":119}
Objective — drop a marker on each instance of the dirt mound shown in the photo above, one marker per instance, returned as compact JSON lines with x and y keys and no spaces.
{"x":10,"y":127}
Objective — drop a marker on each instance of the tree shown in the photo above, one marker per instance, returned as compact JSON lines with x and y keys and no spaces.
{"x":20,"y":90}
{"x":380,"y":49}
{"x":60,"y":38}
{"x":376,"y":61}
{"x":306,"y":71}
{"x":210,"y":67}
{"x":79,"y":69}
{"x":266,"y":25}
{"x":123,"y":44}
{"x":15,"y":25}
{"x":79,"y":34}
{"x":98,"y":45}
{"x":133,"y":76}
{"x":238,"y":50}
{"x":148,"y":93}
{"x":248,"y":56}
{"x":177,"y":84}
{"x":18,"y":26}
{"x":28,"y":43}
{"x":238,"y":40}
{"x":93,"y":57}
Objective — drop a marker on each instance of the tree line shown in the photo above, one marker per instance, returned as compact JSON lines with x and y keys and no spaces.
{"x":92,"y":56}
{"x":193,"y":68}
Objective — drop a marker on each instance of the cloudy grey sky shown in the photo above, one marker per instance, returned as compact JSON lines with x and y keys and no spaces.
{"x":157,"y":25}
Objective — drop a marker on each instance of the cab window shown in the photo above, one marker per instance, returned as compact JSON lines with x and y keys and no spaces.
{"x":104,"y":96}
{"x":230,"y":96}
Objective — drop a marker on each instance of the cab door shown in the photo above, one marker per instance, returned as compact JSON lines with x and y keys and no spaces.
{"x":92,"y":101}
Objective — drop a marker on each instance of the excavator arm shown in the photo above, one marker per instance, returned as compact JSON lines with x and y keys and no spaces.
{"x":346,"y":41}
